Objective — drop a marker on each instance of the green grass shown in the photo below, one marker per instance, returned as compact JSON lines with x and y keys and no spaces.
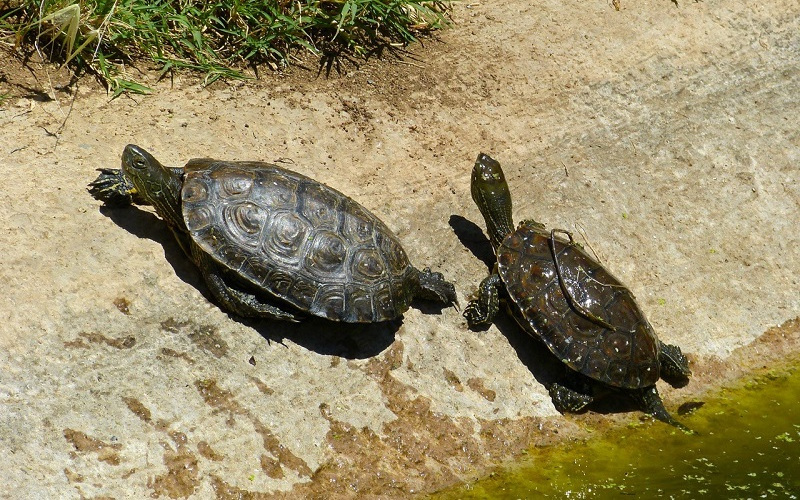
{"x":220,"y":39}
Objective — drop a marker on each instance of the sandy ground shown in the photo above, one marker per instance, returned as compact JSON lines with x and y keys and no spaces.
{"x":665,"y":136}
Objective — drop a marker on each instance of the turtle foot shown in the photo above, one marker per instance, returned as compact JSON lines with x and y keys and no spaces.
{"x":481,"y":311}
{"x":112,"y":188}
{"x":434,"y":287}
{"x":651,"y":403}
{"x":476,"y":315}
{"x":567,"y":400}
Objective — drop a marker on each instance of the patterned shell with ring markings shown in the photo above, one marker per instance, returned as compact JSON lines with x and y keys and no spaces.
{"x":297,"y":239}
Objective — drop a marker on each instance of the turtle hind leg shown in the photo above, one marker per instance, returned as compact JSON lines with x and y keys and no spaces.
{"x":650,"y":403}
{"x":481,"y":311}
{"x":234,"y":300}
{"x":674,"y":365}
{"x":568,"y":400}
{"x":245,"y":304}
{"x":433,"y":286}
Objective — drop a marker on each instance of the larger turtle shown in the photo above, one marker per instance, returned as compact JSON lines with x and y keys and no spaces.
{"x":272,"y":243}
{"x":561,"y":295}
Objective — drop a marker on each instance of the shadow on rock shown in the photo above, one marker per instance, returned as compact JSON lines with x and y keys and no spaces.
{"x":144,"y":224}
{"x":429,"y":307}
{"x":608,"y":401}
{"x":543,"y":365}
{"x":471,"y":236}
{"x":546,"y":368}
{"x":330,"y":338}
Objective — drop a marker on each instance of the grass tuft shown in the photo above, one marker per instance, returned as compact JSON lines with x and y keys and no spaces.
{"x":218,"y":38}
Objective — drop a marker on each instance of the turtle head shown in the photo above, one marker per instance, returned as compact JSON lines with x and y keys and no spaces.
{"x":154,"y":183}
{"x":490,"y":192}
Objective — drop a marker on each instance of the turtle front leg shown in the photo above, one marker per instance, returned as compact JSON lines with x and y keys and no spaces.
{"x":113,"y":188}
{"x":531,"y":223}
{"x":234,"y":300}
{"x":482,"y":310}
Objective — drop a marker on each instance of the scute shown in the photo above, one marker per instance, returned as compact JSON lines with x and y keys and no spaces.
{"x":319,"y":205}
{"x":627,"y":357}
{"x":367,"y":265}
{"x":327,"y":254}
{"x":297,"y":239}
{"x":286,"y":237}
{"x":246,"y":221}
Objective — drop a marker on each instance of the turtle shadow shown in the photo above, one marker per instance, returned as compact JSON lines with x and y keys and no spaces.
{"x":545,"y":367}
{"x":429,"y":307}
{"x":346,"y":340}
{"x":146,"y":225}
{"x":329,"y":338}
{"x":471,"y":236}
{"x":609,"y":401}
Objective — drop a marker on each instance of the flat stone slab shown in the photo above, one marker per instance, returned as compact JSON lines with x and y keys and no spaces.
{"x":664,"y":137}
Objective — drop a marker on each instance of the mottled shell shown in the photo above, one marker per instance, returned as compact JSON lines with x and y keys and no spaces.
{"x":627,"y":357}
{"x":298,"y":240}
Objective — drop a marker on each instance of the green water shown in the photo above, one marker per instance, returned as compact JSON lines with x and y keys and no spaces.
{"x":748,"y":446}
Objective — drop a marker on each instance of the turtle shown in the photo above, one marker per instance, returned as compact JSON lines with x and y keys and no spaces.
{"x":272,"y":243}
{"x":562,"y":296}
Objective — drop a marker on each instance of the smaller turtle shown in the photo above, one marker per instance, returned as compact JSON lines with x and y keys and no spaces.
{"x":272,"y":243}
{"x":562,"y":296}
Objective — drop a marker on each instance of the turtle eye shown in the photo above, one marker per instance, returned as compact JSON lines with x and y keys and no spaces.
{"x":138,"y":161}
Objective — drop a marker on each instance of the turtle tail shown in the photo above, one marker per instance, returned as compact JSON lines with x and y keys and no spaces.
{"x":651,"y":403}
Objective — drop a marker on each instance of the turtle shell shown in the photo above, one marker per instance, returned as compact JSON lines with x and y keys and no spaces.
{"x":297,"y":239}
{"x":625,"y":355}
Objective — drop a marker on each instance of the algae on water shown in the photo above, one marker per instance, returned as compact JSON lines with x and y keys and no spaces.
{"x":748,"y":446}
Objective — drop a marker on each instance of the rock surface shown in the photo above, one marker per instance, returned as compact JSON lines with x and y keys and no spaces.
{"x":666,"y":136}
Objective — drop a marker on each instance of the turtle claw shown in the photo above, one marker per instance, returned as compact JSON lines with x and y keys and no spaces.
{"x":651,"y":403}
